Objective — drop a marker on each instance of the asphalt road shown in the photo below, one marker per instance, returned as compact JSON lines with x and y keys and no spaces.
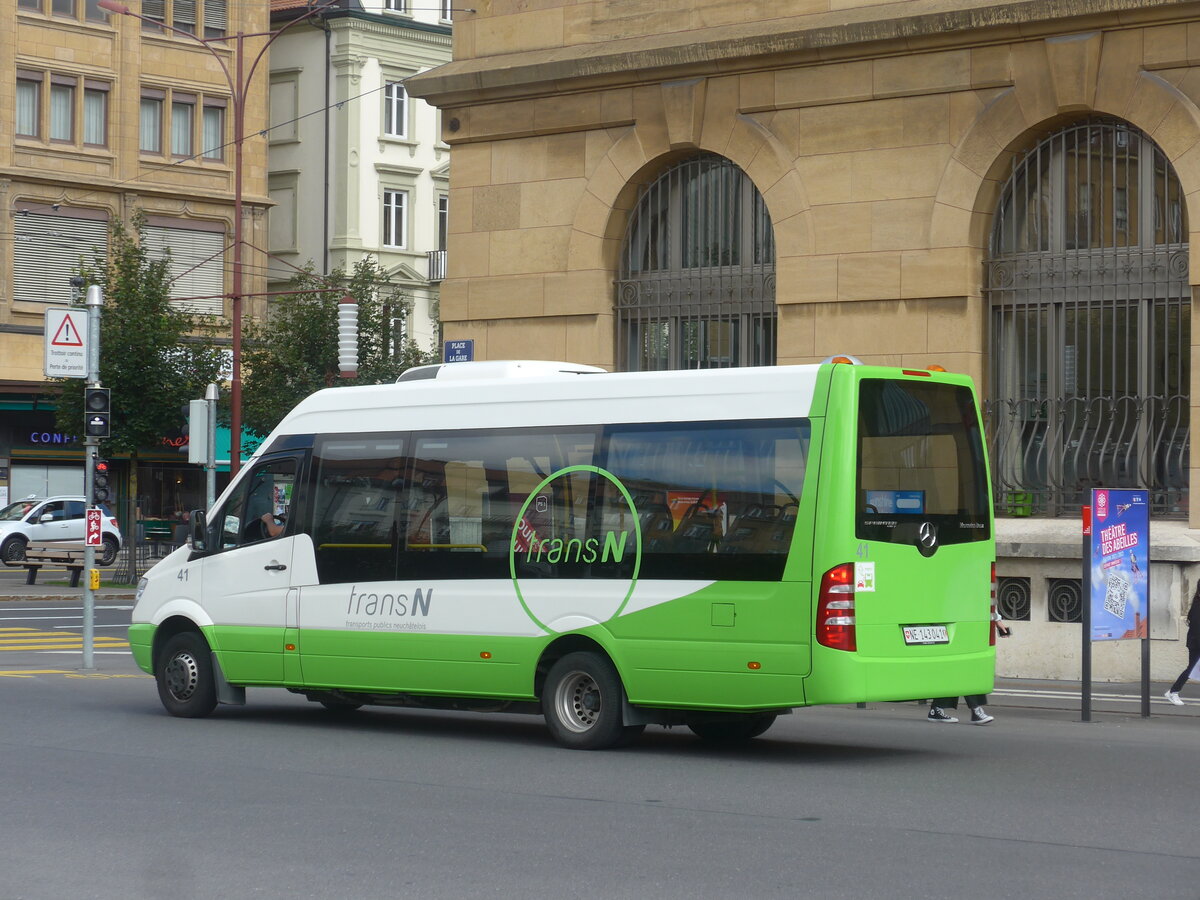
{"x":106,"y":796}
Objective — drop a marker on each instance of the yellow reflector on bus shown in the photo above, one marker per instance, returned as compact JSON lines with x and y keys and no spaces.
{"x":754,"y":665}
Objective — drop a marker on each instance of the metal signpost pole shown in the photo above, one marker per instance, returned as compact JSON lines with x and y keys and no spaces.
{"x":210,"y":466}
{"x":95,"y":298}
{"x":1085,"y":621}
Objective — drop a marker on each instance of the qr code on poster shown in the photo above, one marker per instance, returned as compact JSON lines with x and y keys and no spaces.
{"x":1116,"y":594}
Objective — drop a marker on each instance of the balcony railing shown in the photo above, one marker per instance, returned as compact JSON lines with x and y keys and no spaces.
{"x":437,"y":265}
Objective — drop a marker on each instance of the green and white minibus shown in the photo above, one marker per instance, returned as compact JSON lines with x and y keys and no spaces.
{"x":610,"y":550}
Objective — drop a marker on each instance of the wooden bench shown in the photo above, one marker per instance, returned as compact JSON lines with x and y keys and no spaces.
{"x":68,"y":554}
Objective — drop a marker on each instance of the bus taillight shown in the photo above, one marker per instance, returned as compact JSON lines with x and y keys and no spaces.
{"x":992,"y":614}
{"x":835,"y":609}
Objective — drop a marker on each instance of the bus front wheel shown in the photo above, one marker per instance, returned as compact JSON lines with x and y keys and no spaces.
{"x":732,"y":729}
{"x":186,"y":685}
{"x":582,"y":703}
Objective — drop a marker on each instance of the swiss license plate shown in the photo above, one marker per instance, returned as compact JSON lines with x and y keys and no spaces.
{"x":926,"y":634}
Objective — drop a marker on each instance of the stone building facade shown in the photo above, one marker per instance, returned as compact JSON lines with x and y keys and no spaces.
{"x":107,"y":116}
{"x":944,"y":182}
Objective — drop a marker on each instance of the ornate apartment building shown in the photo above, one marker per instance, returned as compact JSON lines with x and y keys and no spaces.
{"x":357,"y":167}
{"x":110,"y":114}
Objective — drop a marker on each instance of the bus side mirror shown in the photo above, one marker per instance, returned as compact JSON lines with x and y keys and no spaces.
{"x":198,"y":527}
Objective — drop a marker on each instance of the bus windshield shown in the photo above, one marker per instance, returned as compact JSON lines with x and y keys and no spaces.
{"x":920,"y":459}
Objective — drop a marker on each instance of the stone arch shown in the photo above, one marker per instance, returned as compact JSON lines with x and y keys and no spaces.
{"x":1059,"y":79}
{"x":662,"y":135}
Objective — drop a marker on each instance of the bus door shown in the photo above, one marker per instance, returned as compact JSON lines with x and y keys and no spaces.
{"x":247,"y":576}
{"x":922,"y":549}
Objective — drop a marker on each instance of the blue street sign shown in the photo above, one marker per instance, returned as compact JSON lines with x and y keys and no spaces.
{"x":460,"y":351}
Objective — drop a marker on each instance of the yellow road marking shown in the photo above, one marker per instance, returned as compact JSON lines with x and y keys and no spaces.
{"x":31,"y":673}
{"x":32,"y":639}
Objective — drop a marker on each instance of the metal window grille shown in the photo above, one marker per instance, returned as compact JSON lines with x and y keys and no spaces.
{"x":1013,"y":598}
{"x":1087,"y":283}
{"x":1064,"y":600}
{"x":696,"y":288}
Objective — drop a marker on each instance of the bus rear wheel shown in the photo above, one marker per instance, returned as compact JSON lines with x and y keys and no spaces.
{"x":733,"y":729}
{"x":582,"y":703}
{"x":186,"y":685}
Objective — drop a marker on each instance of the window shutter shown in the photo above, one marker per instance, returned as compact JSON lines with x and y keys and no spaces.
{"x":196,"y":265}
{"x":47,"y":251}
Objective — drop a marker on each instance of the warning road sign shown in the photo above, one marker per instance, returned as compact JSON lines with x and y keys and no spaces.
{"x":66,"y":343}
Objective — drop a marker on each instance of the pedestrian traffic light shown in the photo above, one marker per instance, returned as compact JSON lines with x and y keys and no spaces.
{"x":97,"y":412}
{"x":100,"y":490}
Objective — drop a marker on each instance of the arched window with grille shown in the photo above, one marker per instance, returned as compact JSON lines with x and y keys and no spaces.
{"x":1090,"y":323}
{"x":696,"y":288}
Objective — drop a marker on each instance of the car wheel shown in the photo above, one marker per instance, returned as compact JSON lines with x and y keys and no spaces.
{"x":12,"y":551}
{"x":108,"y":555}
{"x":582,"y":703}
{"x":733,"y":729}
{"x":184,"y":673}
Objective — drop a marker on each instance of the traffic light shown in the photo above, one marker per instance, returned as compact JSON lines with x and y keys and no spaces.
{"x":97,"y":412}
{"x":100,"y":490}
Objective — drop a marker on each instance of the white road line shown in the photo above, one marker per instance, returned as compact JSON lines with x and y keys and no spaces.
{"x":94,"y":625}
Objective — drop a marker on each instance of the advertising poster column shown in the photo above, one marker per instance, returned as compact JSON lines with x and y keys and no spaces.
{"x":1120,"y":597}
{"x":1118,"y":574}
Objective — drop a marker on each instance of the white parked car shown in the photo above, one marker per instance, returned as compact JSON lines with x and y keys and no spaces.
{"x":52,"y":519}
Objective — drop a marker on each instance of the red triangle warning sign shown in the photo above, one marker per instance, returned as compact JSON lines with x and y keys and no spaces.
{"x":67,"y":335}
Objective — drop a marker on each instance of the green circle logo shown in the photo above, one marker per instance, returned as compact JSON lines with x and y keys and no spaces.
{"x":545,"y":553}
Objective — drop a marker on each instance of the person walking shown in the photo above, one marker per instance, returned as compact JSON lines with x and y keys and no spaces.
{"x":979,"y":715}
{"x":1193,"y":649}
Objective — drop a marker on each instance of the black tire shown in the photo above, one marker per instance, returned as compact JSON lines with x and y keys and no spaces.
{"x":12,"y":551}
{"x":184,"y":673}
{"x":582,"y":703}
{"x":109,"y":550}
{"x":733,"y":729}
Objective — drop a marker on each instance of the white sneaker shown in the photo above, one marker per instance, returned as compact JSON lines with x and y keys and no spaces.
{"x":1173,"y":698}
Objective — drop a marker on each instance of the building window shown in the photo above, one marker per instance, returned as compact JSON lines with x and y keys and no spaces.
{"x":699,"y":228}
{"x":184,"y":122}
{"x":62,"y":109}
{"x":447,"y":10}
{"x":66,"y":8}
{"x":400,"y":6}
{"x":443,"y":221}
{"x":183,"y":115}
{"x":183,"y":15}
{"x":216,"y":18}
{"x":95,"y":113}
{"x":395,"y":211}
{"x":60,"y":95}
{"x":395,"y":110}
{"x":1089,"y":324}
{"x":195,"y":258}
{"x":47,"y":248}
{"x":29,"y":104}
{"x":214,"y":129}
{"x":150,"y":140}
{"x":210,"y":17}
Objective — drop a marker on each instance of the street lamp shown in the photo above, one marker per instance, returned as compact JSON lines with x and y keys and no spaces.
{"x":239,"y":84}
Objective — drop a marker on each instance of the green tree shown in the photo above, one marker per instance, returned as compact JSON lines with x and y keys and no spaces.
{"x":294,"y":352}
{"x":154,"y":356}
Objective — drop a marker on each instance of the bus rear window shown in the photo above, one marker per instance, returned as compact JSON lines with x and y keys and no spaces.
{"x":920,"y":459}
